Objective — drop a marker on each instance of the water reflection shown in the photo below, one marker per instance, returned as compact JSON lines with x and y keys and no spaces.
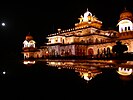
{"x":89,"y":75}
{"x":88,"y":69}
{"x":26,"y":62}
{"x":85,"y":71}
{"x":125,"y":71}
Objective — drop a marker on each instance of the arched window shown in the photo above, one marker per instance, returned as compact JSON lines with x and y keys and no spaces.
{"x":97,"y":41}
{"x":128,"y":27}
{"x":90,"y":51}
{"x":90,"y":40}
{"x":25,"y":43}
{"x":32,"y":43}
{"x":125,"y":28}
{"x":121,"y":29}
{"x":63,"y":41}
{"x":108,"y":50}
{"x":98,"y":52}
{"x":104,"y":50}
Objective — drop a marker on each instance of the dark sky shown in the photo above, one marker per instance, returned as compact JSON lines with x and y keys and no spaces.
{"x":41,"y":18}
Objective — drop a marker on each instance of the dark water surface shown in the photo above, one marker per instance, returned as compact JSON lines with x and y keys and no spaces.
{"x":64,"y":79}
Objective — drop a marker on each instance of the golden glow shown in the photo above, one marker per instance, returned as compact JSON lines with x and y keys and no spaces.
{"x":59,"y":29}
{"x":109,"y":47}
{"x":110,"y":61}
{"x":28,"y":62}
{"x":88,"y":20}
{"x":86,"y":71}
{"x":32,"y":42}
{"x":125,"y":71}
{"x":87,"y":75}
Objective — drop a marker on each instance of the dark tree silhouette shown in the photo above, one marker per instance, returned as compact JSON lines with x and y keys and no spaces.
{"x":119,"y":48}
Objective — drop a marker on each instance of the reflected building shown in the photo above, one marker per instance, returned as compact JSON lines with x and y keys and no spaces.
{"x":85,"y":71}
{"x":27,"y":62}
{"x":125,"y":73}
{"x":88,"y":69}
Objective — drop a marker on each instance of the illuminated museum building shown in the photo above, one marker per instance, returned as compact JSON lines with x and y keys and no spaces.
{"x":86,"y":39}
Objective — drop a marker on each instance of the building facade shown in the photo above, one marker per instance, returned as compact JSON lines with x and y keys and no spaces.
{"x":87,"y":38}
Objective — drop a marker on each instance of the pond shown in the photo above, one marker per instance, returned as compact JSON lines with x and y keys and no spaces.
{"x":47,"y":78}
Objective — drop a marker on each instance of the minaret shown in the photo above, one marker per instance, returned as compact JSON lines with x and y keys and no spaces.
{"x":29,"y":47}
{"x":29,"y":43}
{"x":125,"y":22}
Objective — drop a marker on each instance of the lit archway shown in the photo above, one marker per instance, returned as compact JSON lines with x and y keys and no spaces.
{"x":90,"y":51}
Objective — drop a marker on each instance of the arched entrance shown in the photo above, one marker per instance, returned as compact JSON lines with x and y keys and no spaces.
{"x":90,"y":52}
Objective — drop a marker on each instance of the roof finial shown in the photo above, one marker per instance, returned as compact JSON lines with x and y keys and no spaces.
{"x":125,"y":8}
{"x":87,"y":9}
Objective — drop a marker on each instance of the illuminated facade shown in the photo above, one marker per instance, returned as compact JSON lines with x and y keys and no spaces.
{"x":87,"y":38}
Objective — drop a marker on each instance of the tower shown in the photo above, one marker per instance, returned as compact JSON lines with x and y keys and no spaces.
{"x":125,"y":22}
{"x":29,"y":48}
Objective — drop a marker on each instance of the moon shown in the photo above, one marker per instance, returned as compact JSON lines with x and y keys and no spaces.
{"x":3,"y":24}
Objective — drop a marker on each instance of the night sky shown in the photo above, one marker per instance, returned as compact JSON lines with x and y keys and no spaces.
{"x":43,"y":18}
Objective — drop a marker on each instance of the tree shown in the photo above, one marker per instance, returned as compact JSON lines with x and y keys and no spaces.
{"x":119,"y":48}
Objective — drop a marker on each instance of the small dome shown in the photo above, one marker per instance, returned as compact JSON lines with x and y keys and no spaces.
{"x":29,"y":37}
{"x":126,"y":15}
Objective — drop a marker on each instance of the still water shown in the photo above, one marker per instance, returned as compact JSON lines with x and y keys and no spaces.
{"x":66,"y":79}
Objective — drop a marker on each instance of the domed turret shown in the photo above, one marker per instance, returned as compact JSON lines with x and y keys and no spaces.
{"x":125,"y":22}
{"x":29,"y":37}
{"x":29,"y":48}
{"x":29,"y":43}
{"x":126,"y":15}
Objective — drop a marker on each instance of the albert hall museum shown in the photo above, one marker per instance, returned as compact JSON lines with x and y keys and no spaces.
{"x":85,"y":39}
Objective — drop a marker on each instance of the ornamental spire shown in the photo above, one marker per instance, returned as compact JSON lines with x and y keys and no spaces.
{"x":87,"y":9}
{"x":125,"y":8}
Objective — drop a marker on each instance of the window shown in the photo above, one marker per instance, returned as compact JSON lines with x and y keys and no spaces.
{"x":97,"y":41}
{"x":121,"y":29}
{"x":63,"y":41}
{"x":128,"y":27}
{"x":125,"y":28}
